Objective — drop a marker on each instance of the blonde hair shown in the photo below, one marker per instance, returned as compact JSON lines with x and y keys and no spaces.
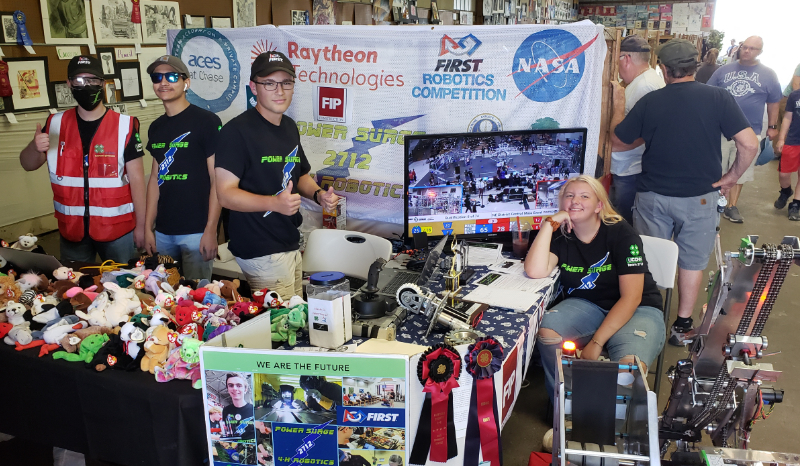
{"x":214,"y":409}
{"x":607,"y":214}
{"x":711,"y":56}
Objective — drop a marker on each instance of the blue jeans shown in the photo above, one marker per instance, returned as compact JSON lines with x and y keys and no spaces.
{"x":186,"y":249}
{"x":120,"y":250}
{"x":576,"y":320}
{"x":623,"y":193}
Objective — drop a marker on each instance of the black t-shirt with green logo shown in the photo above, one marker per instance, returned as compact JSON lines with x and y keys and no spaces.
{"x":591,"y":271}
{"x":181,"y":145}
{"x":264,"y":157}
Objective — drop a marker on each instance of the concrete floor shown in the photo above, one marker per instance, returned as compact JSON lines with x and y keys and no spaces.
{"x":524,"y":430}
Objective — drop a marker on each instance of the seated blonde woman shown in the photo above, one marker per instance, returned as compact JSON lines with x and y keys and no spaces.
{"x":607,"y":297}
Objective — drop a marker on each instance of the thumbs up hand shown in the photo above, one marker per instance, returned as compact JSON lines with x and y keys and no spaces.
{"x":287,"y":203}
{"x":41,"y":140}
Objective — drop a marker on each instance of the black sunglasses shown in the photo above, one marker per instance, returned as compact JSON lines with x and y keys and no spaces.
{"x":172,"y":77}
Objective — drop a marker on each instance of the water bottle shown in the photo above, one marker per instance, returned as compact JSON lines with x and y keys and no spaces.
{"x":722,"y":203}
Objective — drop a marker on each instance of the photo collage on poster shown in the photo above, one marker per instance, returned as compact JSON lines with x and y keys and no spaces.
{"x":280,"y":419}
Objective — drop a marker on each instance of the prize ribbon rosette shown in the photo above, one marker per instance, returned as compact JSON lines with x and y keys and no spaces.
{"x":136,"y":15}
{"x":483,"y":359}
{"x":23,"y":38}
{"x":438,"y":370}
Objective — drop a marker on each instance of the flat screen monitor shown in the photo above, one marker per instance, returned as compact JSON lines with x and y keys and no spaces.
{"x":476,"y":184}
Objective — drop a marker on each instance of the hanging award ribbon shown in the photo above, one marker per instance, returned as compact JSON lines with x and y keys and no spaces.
{"x":23,"y":38}
{"x":136,"y":16}
{"x":484,"y":358}
{"x":438,"y":370}
{"x":5,"y":91}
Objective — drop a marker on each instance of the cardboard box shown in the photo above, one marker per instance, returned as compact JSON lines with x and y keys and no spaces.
{"x":336,"y":219}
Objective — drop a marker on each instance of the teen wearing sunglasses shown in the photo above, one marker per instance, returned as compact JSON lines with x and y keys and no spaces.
{"x":261,"y":173}
{"x":182,"y":206}
{"x":96,"y":170}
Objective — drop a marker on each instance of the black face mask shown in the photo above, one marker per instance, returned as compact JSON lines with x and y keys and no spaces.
{"x":88,"y":97}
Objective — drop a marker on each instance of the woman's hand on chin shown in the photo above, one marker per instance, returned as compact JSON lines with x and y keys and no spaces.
{"x":562,"y":217}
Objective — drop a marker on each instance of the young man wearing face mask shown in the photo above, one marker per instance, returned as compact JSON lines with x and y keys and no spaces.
{"x":94,"y":157}
{"x":182,"y":143}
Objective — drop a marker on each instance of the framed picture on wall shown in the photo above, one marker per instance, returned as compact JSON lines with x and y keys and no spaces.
{"x":62,"y":94}
{"x":111,"y":92}
{"x":112,"y":22}
{"x":29,"y":77}
{"x":9,"y":27}
{"x":157,"y":17}
{"x":244,"y":13}
{"x":108,"y":60}
{"x":120,"y":108}
{"x":299,"y":17}
{"x":148,"y":56}
{"x":66,"y":22}
{"x":221,"y":22}
{"x":131,"y":81}
{"x":194,"y":21}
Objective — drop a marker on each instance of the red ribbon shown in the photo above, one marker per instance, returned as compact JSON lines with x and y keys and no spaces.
{"x":486,"y":420}
{"x":440,"y":394}
{"x":136,"y":16}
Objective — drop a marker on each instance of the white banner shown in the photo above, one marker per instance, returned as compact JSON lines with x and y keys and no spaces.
{"x":361,"y":89}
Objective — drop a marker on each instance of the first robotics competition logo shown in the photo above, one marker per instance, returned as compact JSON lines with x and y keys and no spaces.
{"x":549,"y":65}
{"x":372,"y":417}
{"x":213,"y":67}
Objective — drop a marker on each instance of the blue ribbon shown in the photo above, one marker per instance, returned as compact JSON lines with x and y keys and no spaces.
{"x":23,"y":38}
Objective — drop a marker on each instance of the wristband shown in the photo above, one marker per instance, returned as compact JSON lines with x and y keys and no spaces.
{"x":772,"y":126}
{"x":552,"y":223}
{"x":315,"y":196}
{"x":597,"y":343}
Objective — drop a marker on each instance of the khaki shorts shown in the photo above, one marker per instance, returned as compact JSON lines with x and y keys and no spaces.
{"x":281,"y":272}
{"x":729,"y":156}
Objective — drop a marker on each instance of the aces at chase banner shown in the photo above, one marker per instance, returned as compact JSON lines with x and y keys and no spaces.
{"x":360,"y":90}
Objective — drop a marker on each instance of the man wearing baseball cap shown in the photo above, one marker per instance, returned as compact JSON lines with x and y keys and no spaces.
{"x":678,"y":189}
{"x":182,"y":206}
{"x":261,"y":173}
{"x":94,"y":157}
{"x":634,"y":69}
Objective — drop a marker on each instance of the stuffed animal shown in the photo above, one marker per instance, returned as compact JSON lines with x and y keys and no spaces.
{"x":112,"y":354}
{"x":71,"y":342}
{"x":89,"y":346}
{"x":6,"y":268}
{"x":230,"y":291}
{"x":65,"y":273}
{"x":39,"y":303}
{"x":9,"y":291}
{"x":246,"y":311}
{"x":285,"y":327}
{"x":26,"y":242}
{"x":95,"y":313}
{"x":156,"y":349}
{"x":20,"y":330}
{"x":132,"y":334}
{"x":182,"y":363}
{"x":28,"y":281}
{"x":125,"y":304}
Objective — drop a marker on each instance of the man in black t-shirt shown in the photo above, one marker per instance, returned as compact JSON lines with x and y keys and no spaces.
{"x":181,"y":200}
{"x":677,"y":191}
{"x":261,"y":173}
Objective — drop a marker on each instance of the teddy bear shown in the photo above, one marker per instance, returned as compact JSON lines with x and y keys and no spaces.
{"x":9,"y":290}
{"x":285,"y":326}
{"x":182,"y":363}
{"x":20,"y":327}
{"x":27,"y":242}
{"x":88,"y":347}
{"x":246,"y":310}
{"x":156,"y":349}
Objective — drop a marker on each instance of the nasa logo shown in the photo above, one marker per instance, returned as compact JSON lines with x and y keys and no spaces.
{"x":352,"y":416}
{"x":549,"y":64}
{"x":220,"y":96}
{"x":331,"y":104}
{"x":484,"y":123}
{"x":466,"y":45}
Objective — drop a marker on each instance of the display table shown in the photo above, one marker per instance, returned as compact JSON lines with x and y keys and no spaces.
{"x":130,"y":419}
{"x":121,"y":417}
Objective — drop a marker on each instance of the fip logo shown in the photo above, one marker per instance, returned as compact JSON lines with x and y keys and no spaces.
{"x":330,"y":104}
{"x":549,"y":64}
{"x":466,"y":45}
{"x":353,"y":416}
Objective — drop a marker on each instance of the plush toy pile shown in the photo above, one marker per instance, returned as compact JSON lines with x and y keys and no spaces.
{"x":143,"y":317}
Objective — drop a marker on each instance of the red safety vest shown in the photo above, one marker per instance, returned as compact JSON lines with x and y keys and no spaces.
{"x":109,"y":198}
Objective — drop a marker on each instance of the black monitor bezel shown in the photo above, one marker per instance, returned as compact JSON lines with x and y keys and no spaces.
{"x":494,"y":236}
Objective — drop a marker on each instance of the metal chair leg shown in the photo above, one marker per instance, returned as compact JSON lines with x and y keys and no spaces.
{"x":660,"y":365}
